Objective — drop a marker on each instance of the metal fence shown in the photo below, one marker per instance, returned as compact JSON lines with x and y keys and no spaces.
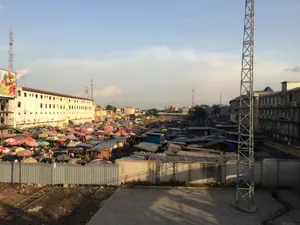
{"x":41,"y":173}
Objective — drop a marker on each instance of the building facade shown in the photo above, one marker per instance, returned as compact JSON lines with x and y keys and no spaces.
{"x":235,"y":103}
{"x":185,"y":110}
{"x":33,"y":107}
{"x":171,"y":108}
{"x":129,"y":110}
{"x":100,"y":113}
{"x":280,"y":113}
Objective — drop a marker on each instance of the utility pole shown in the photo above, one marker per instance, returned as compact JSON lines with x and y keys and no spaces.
{"x":245,"y":163}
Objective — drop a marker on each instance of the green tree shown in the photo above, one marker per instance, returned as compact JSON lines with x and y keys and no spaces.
{"x":204,"y":106}
{"x":152,"y":112}
{"x":197,"y":113}
{"x":110,"y":107}
{"x":216,"y":110}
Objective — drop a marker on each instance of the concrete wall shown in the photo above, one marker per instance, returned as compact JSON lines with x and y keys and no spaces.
{"x":271,"y":173}
{"x":32,"y":109}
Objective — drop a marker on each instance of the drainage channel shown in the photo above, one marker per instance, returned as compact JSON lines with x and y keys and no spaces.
{"x":287,"y":208}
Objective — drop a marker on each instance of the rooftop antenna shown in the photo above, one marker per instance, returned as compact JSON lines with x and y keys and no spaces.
{"x":245,"y":162}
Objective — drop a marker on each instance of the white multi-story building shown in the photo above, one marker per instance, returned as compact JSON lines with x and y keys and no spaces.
{"x":33,"y":107}
{"x":234,"y":107}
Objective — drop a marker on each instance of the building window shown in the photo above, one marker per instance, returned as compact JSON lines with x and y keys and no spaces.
{"x":41,"y":96}
{"x":53,"y":98}
{"x":53,"y":106}
{"x":61,"y":99}
{"x":19,"y":104}
{"x":41,"y":105}
{"x":36,"y":96}
{"x":45,"y":106}
{"x":50,"y":97}
{"x":29,"y":95}
{"x":25,"y":94}
{"x":19,"y":93}
{"x":49,"y":106}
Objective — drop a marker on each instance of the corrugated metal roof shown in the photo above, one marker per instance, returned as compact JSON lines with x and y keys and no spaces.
{"x":108,"y":144}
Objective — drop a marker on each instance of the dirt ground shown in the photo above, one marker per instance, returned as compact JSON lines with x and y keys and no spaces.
{"x":57,"y":205}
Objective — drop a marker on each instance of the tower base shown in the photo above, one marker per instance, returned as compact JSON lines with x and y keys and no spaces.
{"x":243,"y":206}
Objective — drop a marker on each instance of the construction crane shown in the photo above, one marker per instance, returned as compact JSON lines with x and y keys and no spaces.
{"x":245,"y":163}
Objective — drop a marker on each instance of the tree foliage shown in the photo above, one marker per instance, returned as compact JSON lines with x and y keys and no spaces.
{"x":204,"y":106}
{"x":216,"y":110}
{"x":110,"y":107}
{"x":152,"y":112}
{"x":197,"y":113}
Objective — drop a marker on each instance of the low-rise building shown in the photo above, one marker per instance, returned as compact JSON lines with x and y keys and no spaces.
{"x":280,"y":113}
{"x":171,"y":108}
{"x":235,"y":104}
{"x":185,"y":110}
{"x":118,"y":110}
{"x":129,"y":110}
{"x":100,"y":113}
{"x":33,"y":107}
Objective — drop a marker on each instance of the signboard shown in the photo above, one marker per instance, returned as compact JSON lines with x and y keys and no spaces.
{"x":7,"y":84}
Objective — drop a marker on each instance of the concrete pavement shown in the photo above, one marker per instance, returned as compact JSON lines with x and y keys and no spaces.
{"x":188,"y":206}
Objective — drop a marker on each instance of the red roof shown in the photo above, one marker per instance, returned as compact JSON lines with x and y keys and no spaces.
{"x":52,"y":93}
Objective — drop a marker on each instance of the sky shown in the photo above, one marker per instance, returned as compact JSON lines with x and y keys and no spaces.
{"x":148,"y":53}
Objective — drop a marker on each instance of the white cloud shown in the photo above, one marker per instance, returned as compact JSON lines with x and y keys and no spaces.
{"x":153,"y":77}
{"x":295,"y":69}
{"x":107,"y":91}
{"x":22,"y":72}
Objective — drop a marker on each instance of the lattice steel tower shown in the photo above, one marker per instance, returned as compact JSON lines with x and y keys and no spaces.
{"x":11,"y":51}
{"x":245,"y":162}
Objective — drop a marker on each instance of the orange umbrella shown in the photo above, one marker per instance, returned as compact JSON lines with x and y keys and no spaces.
{"x":25,"y":153}
{"x":29,"y":139}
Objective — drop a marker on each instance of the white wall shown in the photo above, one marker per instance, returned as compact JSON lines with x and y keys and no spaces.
{"x":32,"y":108}
{"x":269,"y":173}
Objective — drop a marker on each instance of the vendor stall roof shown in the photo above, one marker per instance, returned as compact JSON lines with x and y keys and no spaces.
{"x":109,"y":144}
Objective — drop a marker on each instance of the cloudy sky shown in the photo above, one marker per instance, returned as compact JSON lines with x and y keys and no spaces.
{"x":148,"y":53}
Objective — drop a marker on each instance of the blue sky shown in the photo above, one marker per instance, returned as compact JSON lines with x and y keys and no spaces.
{"x":148,"y":53}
